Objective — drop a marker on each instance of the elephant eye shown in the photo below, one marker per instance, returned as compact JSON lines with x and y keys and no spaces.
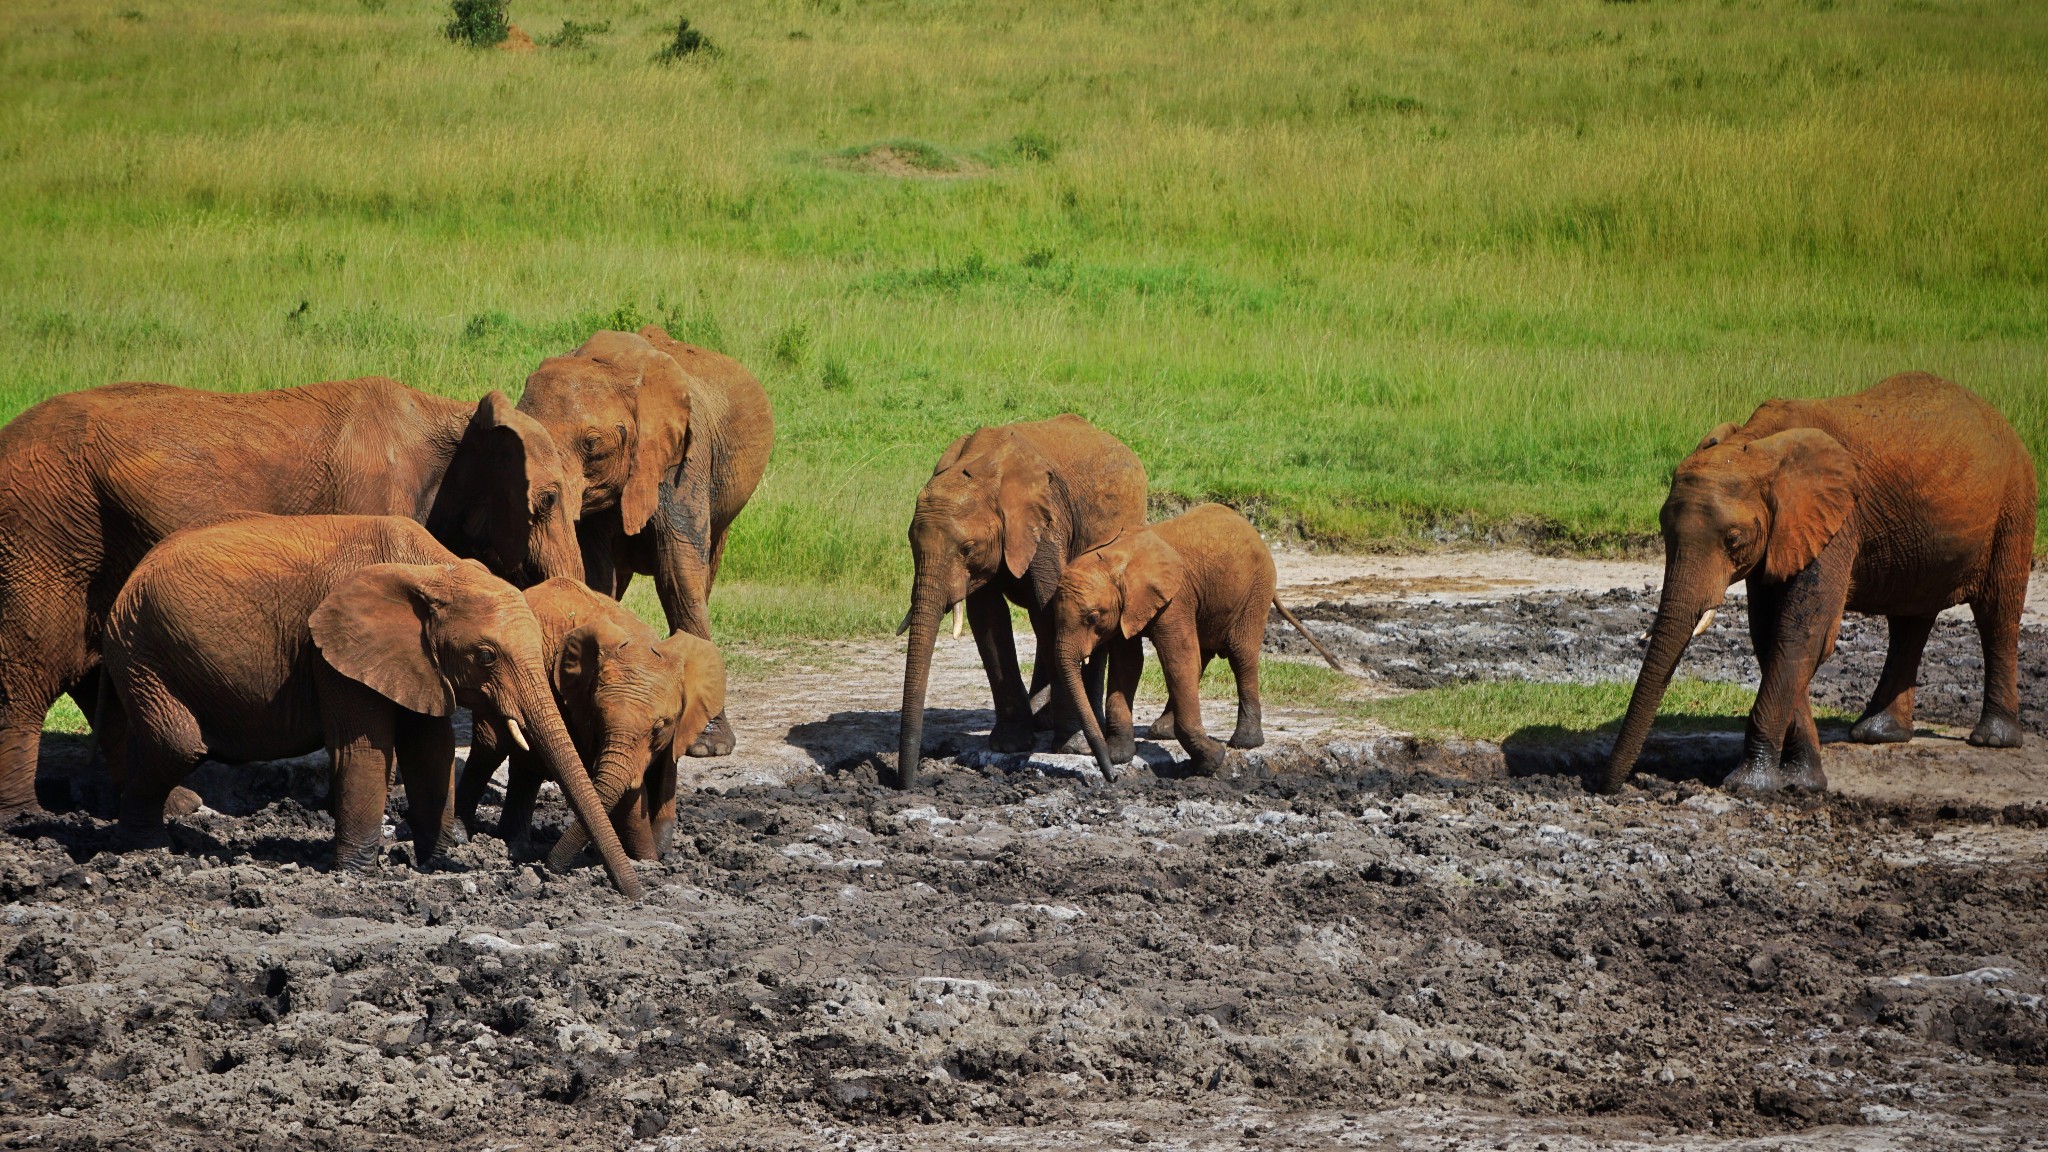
{"x":593,"y":442}
{"x":545,"y":503}
{"x":486,"y":655}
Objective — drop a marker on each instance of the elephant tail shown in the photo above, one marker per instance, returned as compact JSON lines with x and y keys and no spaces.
{"x":1306,"y":634}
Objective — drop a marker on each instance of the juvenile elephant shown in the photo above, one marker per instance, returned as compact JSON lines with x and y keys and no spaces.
{"x":1899,"y":501}
{"x":1003,"y":512}
{"x":90,"y":481}
{"x":672,"y":440}
{"x":269,"y":636}
{"x":626,"y":695}
{"x":1198,"y":586}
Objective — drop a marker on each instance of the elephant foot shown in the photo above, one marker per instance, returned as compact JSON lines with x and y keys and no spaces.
{"x":1162,"y":728}
{"x":1997,"y":731}
{"x":1013,"y":737}
{"x":1251,"y":737}
{"x":717,"y":739}
{"x":1755,"y":775}
{"x":1802,"y":772}
{"x":1880,"y":728}
{"x":1072,"y":744}
{"x":454,"y":832}
{"x":1205,"y":757}
{"x":357,"y":859}
{"x":1045,"y":719}
{"x":182,"y":802}
{"x":17,"y":813}
{"x":1123,"y":748}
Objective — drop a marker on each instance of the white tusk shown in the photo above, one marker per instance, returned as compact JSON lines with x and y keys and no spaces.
{"x":1705,"y":623}
{"x":959,"y":618}
{"x":518,"y":737}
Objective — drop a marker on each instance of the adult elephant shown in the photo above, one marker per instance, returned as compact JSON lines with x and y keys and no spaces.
{"x":672,"y":439}
{"x":1004,"y":511}
{"x":1900,"y":501}
{"x":91,"y":480}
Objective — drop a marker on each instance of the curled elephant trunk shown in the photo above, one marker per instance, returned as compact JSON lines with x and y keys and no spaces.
{"x":618,"y":766}
{"x":1077,"y":696}
{"x":927,"y":607}
{"x":544,"y":727}
{"x":1679,"y":611}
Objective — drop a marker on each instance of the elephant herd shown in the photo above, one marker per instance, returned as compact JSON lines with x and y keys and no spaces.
{"x":243,"y":577}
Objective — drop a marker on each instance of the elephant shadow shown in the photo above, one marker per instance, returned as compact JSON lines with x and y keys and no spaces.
{"x":1684,"y":747}
{"x":846,"y":740}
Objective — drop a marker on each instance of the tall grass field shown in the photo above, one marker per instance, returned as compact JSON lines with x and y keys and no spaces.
{"x":1375,"y":272}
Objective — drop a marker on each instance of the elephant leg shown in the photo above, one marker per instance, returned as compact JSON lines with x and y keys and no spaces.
{"x":1888,"y":718}
{"x":1126,"y":665}
{"x":522,"y":789}
{"x":1250,"y":731}
{"x":1998,"y":630}
{"x":426,"y":764}
{"x":630,"y":821}
{"x":988,"y":614}
{"x":163,"y":746}
{"x":362,"y":742}
{"x":661,"y":801}
{"x":682,"y":533}
{"x":21,"y":742}
{"x":484,"y":757}
{"x":1181,"y":659}
{"x":1800,"y":634}
{"x":1799,"y":764}
{"x":596,"y":538}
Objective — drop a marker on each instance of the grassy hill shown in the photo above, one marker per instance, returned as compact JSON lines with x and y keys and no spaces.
{"x":1374,"y":271}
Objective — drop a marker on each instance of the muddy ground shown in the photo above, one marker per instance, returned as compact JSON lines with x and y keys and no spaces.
{"x":1360,"y":940}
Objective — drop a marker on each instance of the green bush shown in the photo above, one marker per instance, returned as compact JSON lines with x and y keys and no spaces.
{"x":688,"y":41}
{"x":574,"y":35}
{"x":478,"y":23}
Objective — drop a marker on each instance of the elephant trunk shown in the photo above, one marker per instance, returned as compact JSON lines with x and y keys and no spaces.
{"x":1687,"y":596}
{"x":927,"y":606}
{"x":552,"y":550}
{"x":559,"y":753}
{"x":1077,"y":695}
{"x":618,"y":766}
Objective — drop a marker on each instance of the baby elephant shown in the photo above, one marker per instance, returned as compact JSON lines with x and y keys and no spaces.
{"x":1198,"y":586}
{"x":268,"y":636}
{"x":631,"y":700}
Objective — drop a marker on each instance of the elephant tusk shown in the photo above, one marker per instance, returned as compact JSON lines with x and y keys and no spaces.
{"x":518,"y":737}
{"x":905,"y":626}
{"x":1706,"y":622}
{"x":959,"y":618}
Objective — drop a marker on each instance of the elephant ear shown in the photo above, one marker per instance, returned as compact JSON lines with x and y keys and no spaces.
{"x":703,"y":683}
{"x":1811,"y":491}
{"x":951,"y":455}
{"x":661,"y":434}
{"x":1716,"y":436}
{"x":372,"y":628}
{"x":1151,"y":575}
{"x":1024,"y":500}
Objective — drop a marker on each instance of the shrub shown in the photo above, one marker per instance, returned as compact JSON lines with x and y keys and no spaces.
{"x":688,"y":42}
{"x":574,"y":35}
{"x":478,"y":23}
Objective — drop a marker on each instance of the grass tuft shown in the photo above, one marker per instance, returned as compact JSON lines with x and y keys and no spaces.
{"x":1497,"y":709}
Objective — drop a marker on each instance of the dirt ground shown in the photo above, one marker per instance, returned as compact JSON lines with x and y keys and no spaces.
{"x":1360,"y":940}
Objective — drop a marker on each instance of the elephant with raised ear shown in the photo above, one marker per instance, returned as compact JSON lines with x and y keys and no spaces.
{"x":626,"y":695}
{"x":672,"y":440}
{"x":267,"y":637}
{"x":1003,"y":512}
{"x":90,"y":480}
{"x":1899,"y":501}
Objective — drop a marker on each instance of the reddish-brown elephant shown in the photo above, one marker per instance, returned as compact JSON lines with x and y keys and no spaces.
{"x":626,"y":695}
{"x":270,"y":636}
{"x":1900,"y":501}
{"x":90,"y":481}
{"x":1003,"y":512}
{"x":672,"y":440}
{"x":1197,"y":586}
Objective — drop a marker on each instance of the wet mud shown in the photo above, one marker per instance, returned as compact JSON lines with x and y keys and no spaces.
{"x":1353,"y":942}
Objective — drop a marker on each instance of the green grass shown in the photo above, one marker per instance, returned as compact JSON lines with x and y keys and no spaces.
{"x":1409,"y":269}
{"x":1494,"y":710}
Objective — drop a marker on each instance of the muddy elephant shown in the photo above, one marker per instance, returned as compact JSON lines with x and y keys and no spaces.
{"x":1899,"y":501}
{"x":1003,"y":512}
{"x":90,"y":481}
{"x":626,"y":695}
{"x":1197,"y":586}
{"x":672,"y":440}
{"x":270,"y":636}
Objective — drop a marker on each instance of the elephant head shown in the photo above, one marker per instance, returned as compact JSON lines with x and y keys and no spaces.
{"x":1112,"y":593}
{"x":620,"y":408}
{"x":628,"y":696}
{"x":1738,"y":507}
{"x":429,"y":637}
{"x":509,"y":498}
{"x":994,"y":505}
